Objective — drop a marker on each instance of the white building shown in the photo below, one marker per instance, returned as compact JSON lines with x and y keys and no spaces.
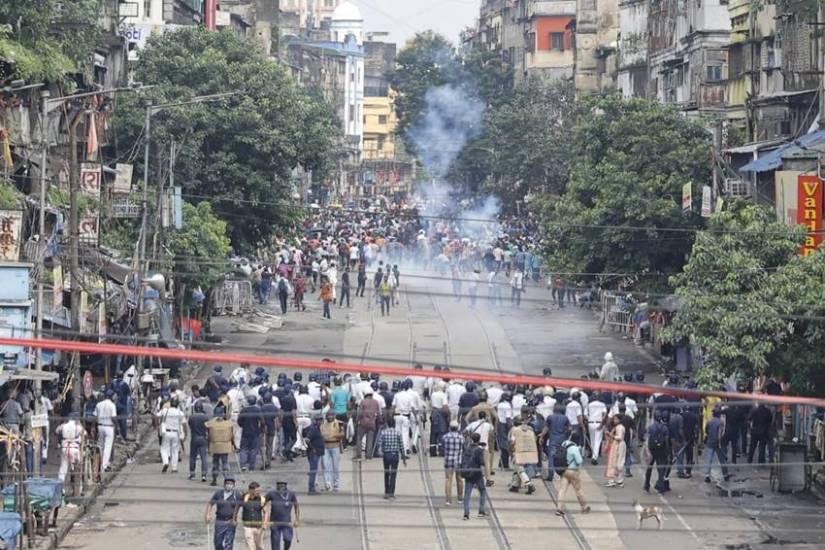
{"x":347,"y":27}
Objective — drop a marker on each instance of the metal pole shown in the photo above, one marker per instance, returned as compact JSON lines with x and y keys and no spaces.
{"x":74,"y":258}
{"x":41,"y":253}
{"x":143,"y":226}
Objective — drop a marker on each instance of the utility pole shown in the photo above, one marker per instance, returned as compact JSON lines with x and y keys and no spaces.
{"x":74,"y":257}
{"x":41,"y":249}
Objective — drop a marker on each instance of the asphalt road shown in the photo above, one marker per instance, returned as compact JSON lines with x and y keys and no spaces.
{"x":144,"y":509}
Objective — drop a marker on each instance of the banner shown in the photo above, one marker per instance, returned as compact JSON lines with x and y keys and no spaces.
{"x":123,"y":179}
{"x":88,"y":228}
{"x":11,"y":222}
{"x":90,"y":179}
{"x":706,"y":201}
{"x":809,"y":211}
{"x":687,"y":197}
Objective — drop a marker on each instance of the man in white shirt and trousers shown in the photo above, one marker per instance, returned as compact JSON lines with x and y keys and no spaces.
{"x":70,"y":434}
{"x":105,"y":411}
{"x":173,"y":431}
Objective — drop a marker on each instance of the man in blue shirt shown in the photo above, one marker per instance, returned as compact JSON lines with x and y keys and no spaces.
{"x":316,"y":448}
{"x":340,"y":401}
{"x":269,"y":412}
{"x":572,"y":476}
{"x":250,"y":422}
{"x":658,"y":443}
{"x":714,"y":435}
{"x":225,"y":502}
{"x":556,"y":430}
{"x":279,"y":515}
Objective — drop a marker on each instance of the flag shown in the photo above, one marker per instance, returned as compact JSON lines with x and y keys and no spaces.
{"x":91,"y":138}
{"x":7,"y":160}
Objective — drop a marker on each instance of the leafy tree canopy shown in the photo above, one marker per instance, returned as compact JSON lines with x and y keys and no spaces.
{"x":751,"y":304}
{"x":197,"y":246}
{"x":629,"y":160}
{"x":49,"y":38}
{"x":237,"y":152}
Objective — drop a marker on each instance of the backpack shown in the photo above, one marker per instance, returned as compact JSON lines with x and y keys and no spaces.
{"x":283,"y":286}
{"x":560,"y":458}
{"x":468,"y":469}
{"x":658,"y":439}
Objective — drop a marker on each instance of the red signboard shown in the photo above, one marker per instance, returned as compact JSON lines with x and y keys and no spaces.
{"x":809,"y":211}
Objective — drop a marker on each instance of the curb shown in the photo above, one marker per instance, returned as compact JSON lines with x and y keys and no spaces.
{"x":54,"y":538}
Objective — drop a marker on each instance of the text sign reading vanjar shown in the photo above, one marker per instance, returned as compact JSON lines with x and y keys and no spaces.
{"x":809,"y":211}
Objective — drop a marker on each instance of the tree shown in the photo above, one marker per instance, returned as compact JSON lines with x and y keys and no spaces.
{"x":525,"y":143}
{"x":723,"y":289}
{"x":237,"y":152}
{"x":46,"y":42}
{"x":629,"y":160}
{"x":200,"y":247}
{"x":427,"y":61}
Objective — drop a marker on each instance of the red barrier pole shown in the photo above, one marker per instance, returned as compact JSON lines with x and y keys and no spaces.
{"x":482,"y":376}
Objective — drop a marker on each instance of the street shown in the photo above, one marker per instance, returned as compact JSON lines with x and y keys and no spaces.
{"x":151,"y":510}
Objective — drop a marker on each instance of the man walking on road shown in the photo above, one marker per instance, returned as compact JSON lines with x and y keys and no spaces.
{"x":251,"y":514}
{"x":70,"y":434}
{"x":345,"y":288}
{"x":522,"y":440}
{"x":571,"y":477}
{"x":198,"y":440}
{"x":220,"y":445}
{"x":389,"y":441}
{"x":453,"y":445}
{"x":250,"y":421}
{"x":316,"y":449}
{"x":366,"y":420}
{"x":333,"y":432}
{"x":278,"y":517}
{"x":472,"y":470}
{"x":714,"y":434}
{"x":658,"y":437}
{"x":226,"y":502}
{"x":105,"y":411}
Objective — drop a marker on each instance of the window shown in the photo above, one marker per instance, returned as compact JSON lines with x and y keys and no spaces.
{"x":382,"y":119}
{"x":557,"y":41}
{"x":147,"y":9}
{"x":714,"y":73}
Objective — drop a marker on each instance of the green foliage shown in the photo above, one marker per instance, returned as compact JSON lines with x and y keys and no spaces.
{"x":427,"y":61}
{"x":751,"y":303}
{"x":525,"y":145}
{"x":200,"y":246}
{"x":237,"y":152}
{"x":10,"y":196}
{"x":629,"y":160}
{"x":46,"y":42}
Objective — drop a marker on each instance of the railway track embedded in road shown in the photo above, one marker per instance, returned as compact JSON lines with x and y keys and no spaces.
{"x":578,"y":536}
{"x":357,"y":470}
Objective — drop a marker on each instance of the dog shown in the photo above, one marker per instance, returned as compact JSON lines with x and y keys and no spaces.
{"x":645,"y":512}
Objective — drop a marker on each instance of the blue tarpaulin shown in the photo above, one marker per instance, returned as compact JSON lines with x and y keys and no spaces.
{"x":10,"y":527}
{"x":772,"y":159}
{"x":44,"y":494}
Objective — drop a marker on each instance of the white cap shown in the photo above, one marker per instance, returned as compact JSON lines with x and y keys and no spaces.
{"x":608,"y":356}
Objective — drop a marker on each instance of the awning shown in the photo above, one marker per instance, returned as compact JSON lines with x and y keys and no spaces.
{"x":754,"y":147}
{"x":772,"y":160}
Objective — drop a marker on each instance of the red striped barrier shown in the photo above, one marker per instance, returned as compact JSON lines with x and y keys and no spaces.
{"x":291,"y":362}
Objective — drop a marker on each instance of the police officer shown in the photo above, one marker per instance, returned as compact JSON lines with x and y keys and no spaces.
{"x":199,"y":439}
{"x":225,"y":501}
{"x":70,"y":434}
{"x":278,"y":516}
{"x":214,"y":383}
{"x":250,"y":420}
{"x":172,"y":431}
{"x":269,"y":412}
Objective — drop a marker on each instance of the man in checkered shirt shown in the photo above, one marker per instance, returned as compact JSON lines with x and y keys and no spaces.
{"x":453,"y":444}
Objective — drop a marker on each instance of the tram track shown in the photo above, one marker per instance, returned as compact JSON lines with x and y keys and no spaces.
{"x":357,"y":470}
{"x":569,"y":522}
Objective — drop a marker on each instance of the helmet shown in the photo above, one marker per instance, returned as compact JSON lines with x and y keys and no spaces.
{"x":313,"y":377}
{"x":383,"y":386}
{"x":628,"y":377}
{"x":374,"y":376}
{"x":510,"y":388}
{"x":260,"y":371}
{"x":301,"y":388}
{"x":506,"y":396}
{"x":418,"y":366}
{"x":470,"y":386}
{"x":396,"y":385}
{"x":365,"y":376}
{"x":640,"y":376}
{"x":374,"y":385}
{"x":608,"y":356}
{"x":297,"y":376}
{"x":251,"y":399}
{"x":547,"y":371}
{"x":281,"y":375}
{"x":437,"y":368}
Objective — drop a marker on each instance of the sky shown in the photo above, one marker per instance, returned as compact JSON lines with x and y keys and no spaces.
{"x":403,"y":18}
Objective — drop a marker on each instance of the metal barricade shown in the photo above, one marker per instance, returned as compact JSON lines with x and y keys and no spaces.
{"x":615,"y":314}
{"x":233,"y":297}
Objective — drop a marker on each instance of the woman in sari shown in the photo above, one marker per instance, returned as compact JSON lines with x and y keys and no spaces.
{"x":616,"y":454}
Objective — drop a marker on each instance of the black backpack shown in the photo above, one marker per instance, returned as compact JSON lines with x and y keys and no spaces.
{"x":658,"y":438}
{"x":468,"y":469}
{"x":283,"y":286}
{"x":560,"y":458}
